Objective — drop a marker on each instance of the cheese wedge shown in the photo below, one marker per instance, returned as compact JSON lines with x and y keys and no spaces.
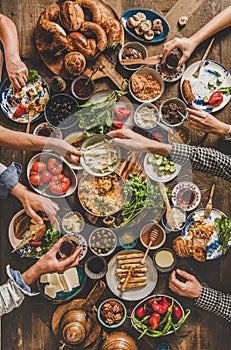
{"x":66,"y":285}
{"x":51,"y":290}
{"x":45,"y":278}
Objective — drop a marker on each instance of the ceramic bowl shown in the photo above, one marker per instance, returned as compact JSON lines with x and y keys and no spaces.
{"x":135,"y":45}
{"x":145,"y":232}
{"x":111,"y":303}
{"x":164,"y":259}
{"x":102,"y":241}
{"x":59,"y":111}
{"x":67,"y":171}
{"x":180,"y":212}
{"x":145,"y":71}
{"x":181,"y":119}
{"x":151,"y":122}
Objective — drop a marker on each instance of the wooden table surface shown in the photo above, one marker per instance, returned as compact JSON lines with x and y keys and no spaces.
{"x":28,"y":327}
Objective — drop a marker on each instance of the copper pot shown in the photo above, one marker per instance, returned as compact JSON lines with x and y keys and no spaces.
{"x":119,"y":341}
{"x":75,"y":326}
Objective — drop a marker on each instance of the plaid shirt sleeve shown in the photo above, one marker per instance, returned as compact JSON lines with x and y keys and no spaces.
{"x":204,"y":159}
{"x":215,"y":301}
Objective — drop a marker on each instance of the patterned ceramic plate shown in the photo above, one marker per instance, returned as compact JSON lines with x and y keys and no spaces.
{"x":213,"y":246}
{"x":33,"y":94}
{"x":201,"y":87}
{"x":150,"y":15}
{"x":186,"y":195}
{"x":168,"y":76}
{"x":64,"y":296}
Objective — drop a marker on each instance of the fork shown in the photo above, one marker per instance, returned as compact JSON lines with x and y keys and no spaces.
{"x":197,"y":72}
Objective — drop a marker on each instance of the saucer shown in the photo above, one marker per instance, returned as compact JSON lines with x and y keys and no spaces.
{"x":167,"y":75}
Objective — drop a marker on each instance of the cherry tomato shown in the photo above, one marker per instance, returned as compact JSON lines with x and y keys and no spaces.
{"x":156,"y":307}
{"x":46,"y":176}
{"x":141,"y":312}
{"x":59,"y":184}
{"x":216,"y":99}
{"x":35,"y":179}
{"x":150,"y":301}
{"x":39,"y":167}
{"x":54,"y":166}
{"x":117,"y":124}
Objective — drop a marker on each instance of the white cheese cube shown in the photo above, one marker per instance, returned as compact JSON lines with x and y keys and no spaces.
{"x":71,"y":277}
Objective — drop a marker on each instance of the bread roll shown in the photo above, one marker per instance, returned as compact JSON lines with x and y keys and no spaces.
{"x":71,"y":15}
{"x":74,"y":63}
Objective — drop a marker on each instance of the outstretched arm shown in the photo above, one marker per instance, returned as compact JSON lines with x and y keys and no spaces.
{"x":188,"y":45}
{"x":16,"y":69}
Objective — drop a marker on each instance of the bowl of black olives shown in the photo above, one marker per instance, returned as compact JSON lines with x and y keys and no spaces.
{"x":60,"y":111}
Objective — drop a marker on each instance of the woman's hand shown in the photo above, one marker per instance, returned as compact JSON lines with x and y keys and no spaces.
{"x":186,"y":45}
{"x":17,"y":72}
{"x":191,"y":288}
{"x":203,"y":121}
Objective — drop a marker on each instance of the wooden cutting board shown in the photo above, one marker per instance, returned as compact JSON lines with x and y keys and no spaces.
{"x":105,"y":61}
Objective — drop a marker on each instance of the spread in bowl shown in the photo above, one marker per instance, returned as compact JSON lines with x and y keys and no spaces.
{"x":146,"y":116}
{"x":164,"y":260}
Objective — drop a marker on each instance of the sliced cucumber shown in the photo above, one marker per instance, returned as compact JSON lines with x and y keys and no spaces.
{"x":206,"y":99}
{"x":219,"y":80}
{"x":158,"y":162}
{"x":150,"y":159}
{"x":211,"y":83}
{"x":172,"y":169}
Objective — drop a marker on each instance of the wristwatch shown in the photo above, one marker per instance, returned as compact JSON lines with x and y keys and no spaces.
{"x":227,"y":135}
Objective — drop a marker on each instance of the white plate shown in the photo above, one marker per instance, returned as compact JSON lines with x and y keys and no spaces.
{"x":213,"y":246}
{"x":123,"y":102}
{"x":15,"y":241}
{"x":152,"y":171}
{"x":136,"y":293}
{"x":168,"y":76}
{"x":187,"y":185}
{"x":200,"y":85}
{"x":9,"y":105}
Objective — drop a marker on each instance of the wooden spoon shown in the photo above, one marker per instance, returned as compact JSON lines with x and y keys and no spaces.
{"x":152,"y":237}
{"x":34,"y":236}
{"x":152,"y":60}
{"x":169,"y":216}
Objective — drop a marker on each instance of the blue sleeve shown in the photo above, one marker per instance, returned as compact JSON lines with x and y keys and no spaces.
{"x":8,"y":179}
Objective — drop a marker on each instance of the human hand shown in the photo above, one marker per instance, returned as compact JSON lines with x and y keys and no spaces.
{"x":129,"y":139}
{"x":49,"y":263}
{"x":70,"y":153}
{"x":17,"y":72}
{"x":186,"y":45}
{"x":191,"y":288}
{"x":203,"y":121}
{"x":33,"y":202}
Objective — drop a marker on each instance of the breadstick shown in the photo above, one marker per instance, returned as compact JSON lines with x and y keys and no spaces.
{"x":121,"y":275}
{"x":134,"y":280}
{"x":130,"y":256}
{"x":129,"y":261}
{"x":136,"y":270}
{"x":127,"y":266}
{"x":134,"y":285}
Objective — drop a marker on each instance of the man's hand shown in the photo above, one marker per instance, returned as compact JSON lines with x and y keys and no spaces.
{"x":191,"y":288}
{"x":203,"y":121}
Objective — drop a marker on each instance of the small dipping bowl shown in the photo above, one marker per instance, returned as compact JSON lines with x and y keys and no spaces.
{"x":80,"y":90}
{"x":73,"y":222}
{"x":164,"y":259}
{"x":174,"y":119}
{"x":146,"y":116}
{"x":179,"y":214}
{"x":127,"y":240}
{"x":145,"y":234}
{"x":96,"y":267}
{"x":105,"y":307}
{"x":45,"y":129}
{"x":132,"y":54}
